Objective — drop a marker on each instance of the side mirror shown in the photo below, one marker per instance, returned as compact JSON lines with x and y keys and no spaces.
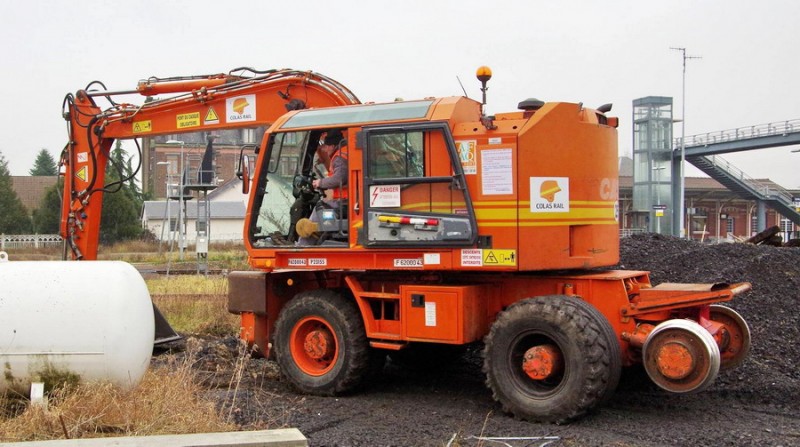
{"x":244,"y":173}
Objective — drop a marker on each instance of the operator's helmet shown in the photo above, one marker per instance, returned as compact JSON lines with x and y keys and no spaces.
{"x":333,"y":137}
{"x":549,"y":189}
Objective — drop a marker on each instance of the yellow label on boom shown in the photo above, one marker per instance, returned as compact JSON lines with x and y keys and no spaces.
{"x":142,"y":126}
{"x":188,"y":120}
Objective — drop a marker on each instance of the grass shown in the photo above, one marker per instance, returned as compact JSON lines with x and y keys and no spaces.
{"x":194,"y":304}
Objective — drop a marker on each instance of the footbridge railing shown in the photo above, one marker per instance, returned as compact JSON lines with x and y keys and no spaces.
{"x":779,"y":128}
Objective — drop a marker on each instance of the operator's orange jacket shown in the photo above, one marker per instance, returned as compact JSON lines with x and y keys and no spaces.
{"x":337,"y":177}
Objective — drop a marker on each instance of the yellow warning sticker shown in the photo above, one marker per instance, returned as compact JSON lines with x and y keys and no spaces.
{"x":499,"y":257}
{"x":211,"y":117}
{"x":82,"y":174}
{"x":188,"y":120}
{"x":142,"y":126}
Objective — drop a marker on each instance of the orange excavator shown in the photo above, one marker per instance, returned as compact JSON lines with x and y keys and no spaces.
{"x":431,"y":224}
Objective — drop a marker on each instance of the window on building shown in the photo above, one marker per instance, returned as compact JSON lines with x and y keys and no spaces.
{"x":248,"y":136}
{"x":786,"y":229}
{"x":730,"y":226}
{"x":172,"y":167}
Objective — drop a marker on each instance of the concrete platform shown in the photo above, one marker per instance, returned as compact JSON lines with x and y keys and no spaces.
{"x":284,"y":437}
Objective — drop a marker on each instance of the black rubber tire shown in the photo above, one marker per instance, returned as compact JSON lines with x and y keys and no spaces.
{"x":355,"y":359}
{"x":615,"y":354}
{"x":590,"y":351}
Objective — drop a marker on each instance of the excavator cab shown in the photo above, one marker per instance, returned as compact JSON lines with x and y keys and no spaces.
{"x":406,"y":187}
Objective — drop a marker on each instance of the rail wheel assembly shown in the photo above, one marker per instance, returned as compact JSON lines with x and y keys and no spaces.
{"x":681,"y":356}
{"x":734,"y":344}
{"x":321,"y":345}
{"x":551,"y":358}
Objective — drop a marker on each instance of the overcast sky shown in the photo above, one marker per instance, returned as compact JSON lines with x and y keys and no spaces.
{"x":593,"y":52}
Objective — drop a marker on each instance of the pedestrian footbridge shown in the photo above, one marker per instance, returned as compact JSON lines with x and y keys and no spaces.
{"x":703,"y":152}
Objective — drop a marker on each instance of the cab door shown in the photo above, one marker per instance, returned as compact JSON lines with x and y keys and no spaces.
{"x":415,"y":190}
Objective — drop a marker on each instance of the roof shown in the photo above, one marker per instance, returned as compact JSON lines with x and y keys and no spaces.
{"x":218,"y":210}
{"x":229,"y":184}
{"x":31,"y":188}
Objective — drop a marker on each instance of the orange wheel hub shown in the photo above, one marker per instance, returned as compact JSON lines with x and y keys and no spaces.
{"x":675,"y":360}
{"x":319,"y":344}
{"x":314,"y":346}
{"x":542,"y":362}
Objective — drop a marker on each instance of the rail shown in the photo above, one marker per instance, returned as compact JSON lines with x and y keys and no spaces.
{"x":767,"y":191}
{"x":782,"y":128}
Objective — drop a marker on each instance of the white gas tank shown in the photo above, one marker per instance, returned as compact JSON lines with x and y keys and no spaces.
{"x":80,"y":321}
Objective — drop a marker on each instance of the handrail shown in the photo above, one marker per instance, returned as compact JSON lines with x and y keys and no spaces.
{"x":768,"y":191}
{"x":782,"y":128}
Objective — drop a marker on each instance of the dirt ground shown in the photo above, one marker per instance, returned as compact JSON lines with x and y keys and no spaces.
{"x":754,"y":405}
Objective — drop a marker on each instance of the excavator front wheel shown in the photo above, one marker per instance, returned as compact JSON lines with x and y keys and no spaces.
{"x":735,"y":344}
{"x":681,"y":356}
{"x":320,"y":343}
{"x":551,"y":358}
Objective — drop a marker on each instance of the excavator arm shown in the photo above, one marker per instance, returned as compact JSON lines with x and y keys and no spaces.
{"x":241,"y":98}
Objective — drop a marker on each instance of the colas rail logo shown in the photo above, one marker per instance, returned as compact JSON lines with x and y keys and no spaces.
{"x":241,"y":108}
{"x":549,"y":194}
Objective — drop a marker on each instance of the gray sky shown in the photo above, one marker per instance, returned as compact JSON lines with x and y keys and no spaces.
{"x":579,"y":51}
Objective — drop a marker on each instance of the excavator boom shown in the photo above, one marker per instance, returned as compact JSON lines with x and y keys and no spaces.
{"x":242,"y":98}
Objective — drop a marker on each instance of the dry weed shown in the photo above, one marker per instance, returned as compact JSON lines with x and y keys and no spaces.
{"x":169,"y":400}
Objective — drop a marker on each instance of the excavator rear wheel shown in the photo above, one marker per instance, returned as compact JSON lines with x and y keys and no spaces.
{"x":574,"y":335}
{"x":736,"y":344}
{"x":320,"y":343}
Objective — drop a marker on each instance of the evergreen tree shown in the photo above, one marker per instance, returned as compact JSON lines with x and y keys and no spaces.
{"x":121,"y":203}
{"x":14,"y":217}
{"x":44,"y":164}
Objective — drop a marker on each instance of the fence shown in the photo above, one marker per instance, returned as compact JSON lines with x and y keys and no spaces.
{"x":8,"y":241}
{"x":625,"y":232}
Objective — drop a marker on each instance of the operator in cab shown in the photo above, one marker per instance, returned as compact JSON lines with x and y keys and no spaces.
{"x":332,"y":152}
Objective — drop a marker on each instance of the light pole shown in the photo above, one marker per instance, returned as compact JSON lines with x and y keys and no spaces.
{"x":166,"y":199}
{"x":682,"y":189}
{"x":658,"y":211}
{"x":181,"y":203}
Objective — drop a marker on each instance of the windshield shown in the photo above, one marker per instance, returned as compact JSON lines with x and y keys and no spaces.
{"x":272,"y":207}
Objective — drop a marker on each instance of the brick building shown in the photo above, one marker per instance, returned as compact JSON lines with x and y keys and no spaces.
{"x":161,"y":157}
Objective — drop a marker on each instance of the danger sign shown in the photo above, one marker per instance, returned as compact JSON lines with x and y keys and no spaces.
{"x":384,"y":196}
